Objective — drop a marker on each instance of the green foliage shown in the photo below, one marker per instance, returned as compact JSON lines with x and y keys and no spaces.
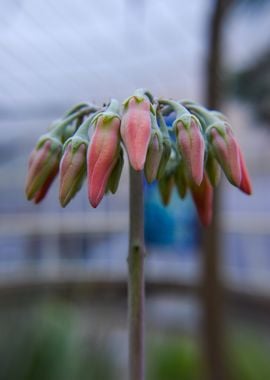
{"x":250,"y":357}
{"x":173,"y":359}
{"x":44,"y":346}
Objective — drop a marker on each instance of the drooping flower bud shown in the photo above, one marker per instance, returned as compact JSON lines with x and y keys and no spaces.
{"x":72,"y":171}
{"x":115,"y":176}
{"x":212,"y":169}
{"x":225,"y":149}
{"x":136,"y":130}
{"x":191,"y":145}
{"x":102,"y":155}
{"x":203,"y":198}
{"x":165,"y":187}
{"x":154,"y":152}
{"x":166,"y":152}
{"x":180,"y":180}
{"x":166,"y":146}
{"x":43,"y":167}
{"x":245,"y":184}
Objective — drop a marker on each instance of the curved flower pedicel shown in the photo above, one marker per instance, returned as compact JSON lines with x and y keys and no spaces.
{"x":136,"y":128}
{"x":103,"y":152}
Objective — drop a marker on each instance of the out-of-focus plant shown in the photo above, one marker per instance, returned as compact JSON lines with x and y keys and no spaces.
{"x":46,"y":346}
{"x":169,"y":359}
{"x":188,"y":155}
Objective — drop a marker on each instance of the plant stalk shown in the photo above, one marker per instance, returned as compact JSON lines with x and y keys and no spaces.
{"x":136,"y":277}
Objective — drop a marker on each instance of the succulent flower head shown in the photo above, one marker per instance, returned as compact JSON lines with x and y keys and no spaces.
{"x":187,"y":152}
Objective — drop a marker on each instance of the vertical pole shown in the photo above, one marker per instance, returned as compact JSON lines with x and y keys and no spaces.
{"x":212,"y":293}
{"x":136,"y":277}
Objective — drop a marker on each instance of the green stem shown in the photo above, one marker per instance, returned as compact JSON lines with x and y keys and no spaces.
{"x":113,"y":107}
{"x":58,"y":129}
{"x":136,"y":277}
{"x":162,"y":125}
{"x":178,"y":108}
{"x":76,"y":108}
{"x":205,"y":116}
{"x":82,"y":131}
{"x":143,"y":92}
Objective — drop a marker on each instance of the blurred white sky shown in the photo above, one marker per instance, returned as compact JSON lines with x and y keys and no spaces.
{"x":55,"y":53}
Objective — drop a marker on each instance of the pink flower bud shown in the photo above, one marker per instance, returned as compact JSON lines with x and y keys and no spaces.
{"x":136,"y":131}
{"x":43,"y":168}
{"x":192,"y":146}
{"x":226,"y":151}
{"x":153,"y":158}
{"x":72,"y":172}
{"x":102,"y":156}
{"x":245,"y":184}
{"x":203,"y":198}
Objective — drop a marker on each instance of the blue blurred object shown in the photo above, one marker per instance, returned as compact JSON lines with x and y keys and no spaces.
{"x":170,"y":119}
{"x":175,"y":225}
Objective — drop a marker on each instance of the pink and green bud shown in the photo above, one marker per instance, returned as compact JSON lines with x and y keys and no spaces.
{"x":154,"y":154}
{"x":181,"y":180}
{"x":166,"y":153}
{"x":166,"y":145}
{"x":225,"y":149}
{"x":245,"y":184}
{"x":203,"y":198}
{"x":115,"y":176}
{"x":43,"y":167}
{"x":72,"y":171}
{"x":102,"y":155}
{"x":212,"y":169}
{"x":191,"y":145}
{"x":136,"y":130}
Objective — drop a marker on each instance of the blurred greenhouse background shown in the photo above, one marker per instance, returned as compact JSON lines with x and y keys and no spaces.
{"x":63,"y":272}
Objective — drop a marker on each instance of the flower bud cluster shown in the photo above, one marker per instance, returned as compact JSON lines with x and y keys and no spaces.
{"x":89,"y":142}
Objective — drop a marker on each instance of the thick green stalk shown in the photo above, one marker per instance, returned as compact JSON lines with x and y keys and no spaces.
{"x":136,"y":277}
